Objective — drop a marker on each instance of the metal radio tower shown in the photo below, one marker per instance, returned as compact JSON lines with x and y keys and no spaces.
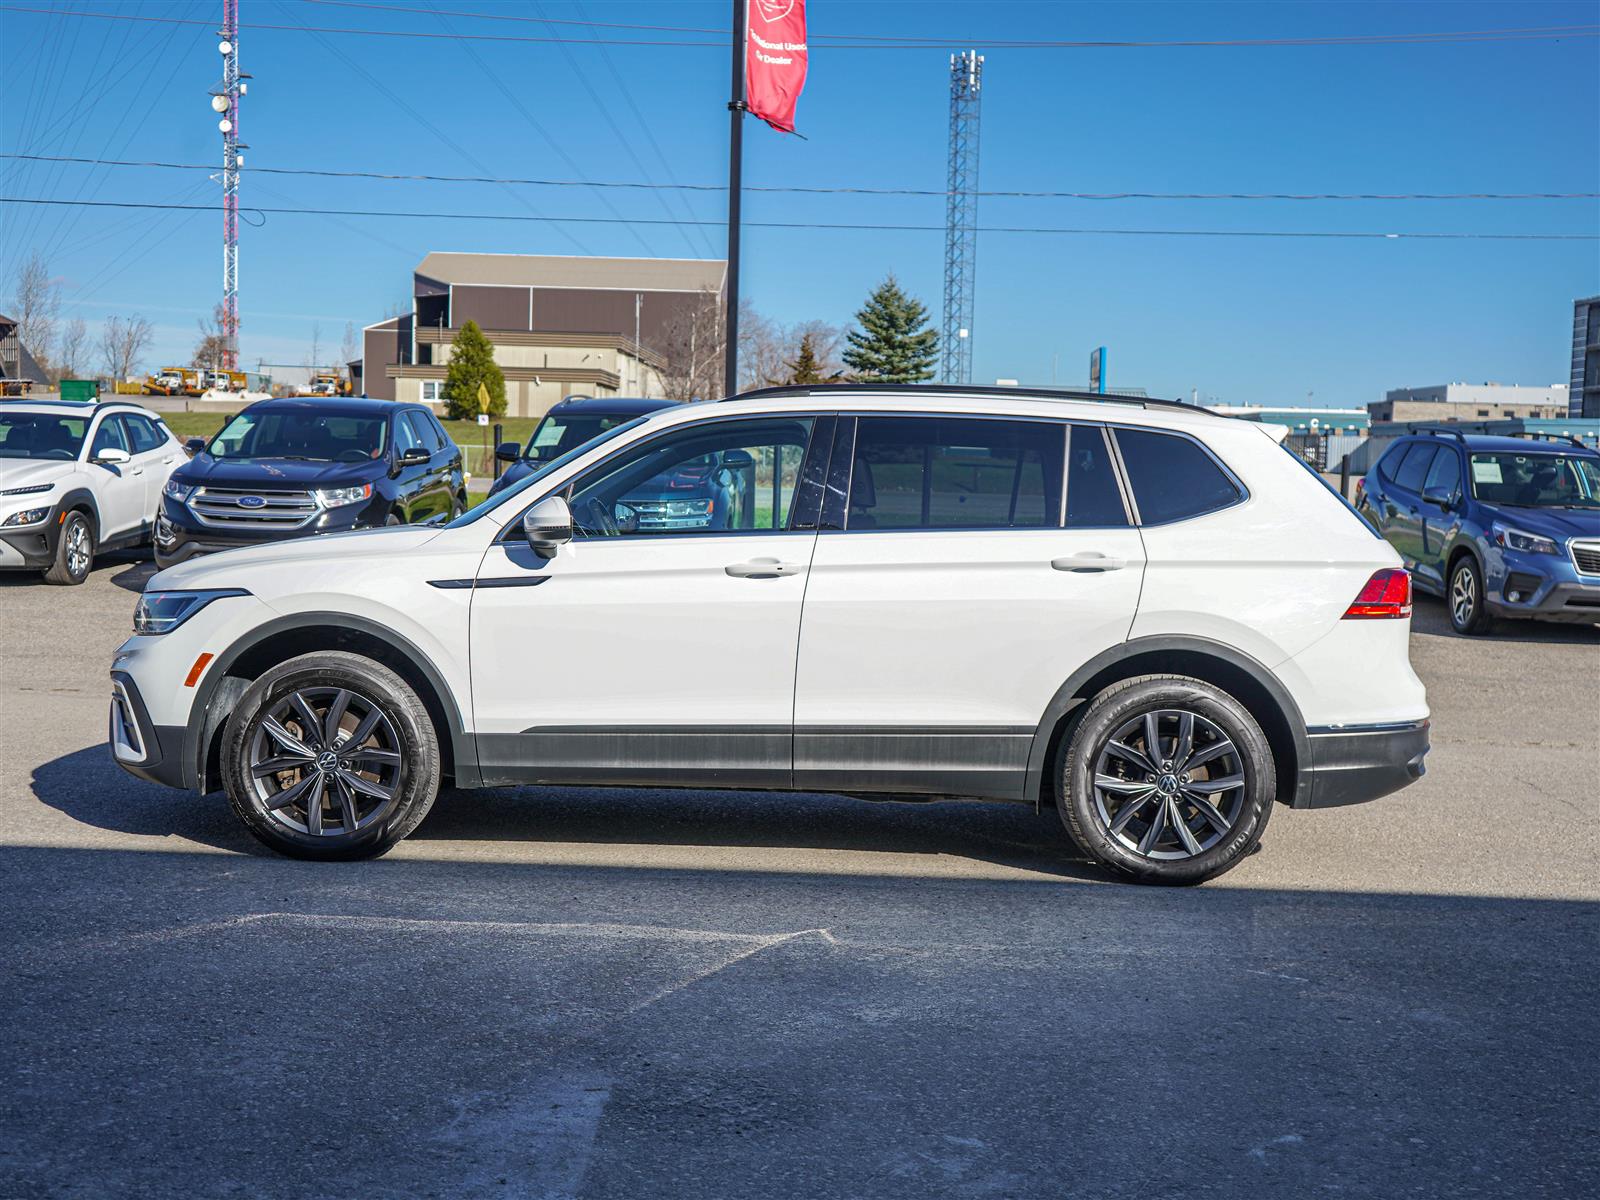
{"x":961,"y":215}
{"x":225,"y":100}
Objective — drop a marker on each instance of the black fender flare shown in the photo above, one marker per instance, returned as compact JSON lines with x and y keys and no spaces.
{"x":204,"y":722}
{"x":1068,"y":697}
{"x":78,"y":497}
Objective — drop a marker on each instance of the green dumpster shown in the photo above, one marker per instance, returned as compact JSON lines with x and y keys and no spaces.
{"x":80,"y":389}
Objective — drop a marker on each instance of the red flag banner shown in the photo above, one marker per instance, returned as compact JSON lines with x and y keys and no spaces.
{"x":775,"y":60}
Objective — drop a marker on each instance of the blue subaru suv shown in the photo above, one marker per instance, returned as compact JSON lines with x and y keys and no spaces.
{"x":1497,"y":526}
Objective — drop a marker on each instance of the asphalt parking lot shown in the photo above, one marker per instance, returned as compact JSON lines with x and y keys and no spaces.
{"x":554,"y":993}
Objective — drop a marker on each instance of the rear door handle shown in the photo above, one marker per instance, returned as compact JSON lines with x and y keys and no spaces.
{"x":1088,"y":562}
{"x":762,"y":568}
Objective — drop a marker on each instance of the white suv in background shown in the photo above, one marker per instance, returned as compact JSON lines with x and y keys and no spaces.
{"x":1153,"y":618}
{"x":77,"y":478}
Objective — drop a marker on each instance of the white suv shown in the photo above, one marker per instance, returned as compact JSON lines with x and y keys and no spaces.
{"x":1151,"y":617}
{"x":77,"y":478}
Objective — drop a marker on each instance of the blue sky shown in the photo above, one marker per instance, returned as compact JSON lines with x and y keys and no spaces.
{"x":1242,"y":320}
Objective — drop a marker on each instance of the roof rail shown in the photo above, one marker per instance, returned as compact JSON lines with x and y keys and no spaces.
{"x":956,"y":389}
{"x":1540,"y":435}
{"x":1443,"y":429}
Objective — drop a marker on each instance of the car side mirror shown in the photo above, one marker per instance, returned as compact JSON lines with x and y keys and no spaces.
{"x":548,"y":525}
{"x":508,"y":452}
{"x":111,"y":456}
{"x":1439,"y":497}
{"x":737,"y":460}
{"x":415,"y":456}
{"x":194,"y":445}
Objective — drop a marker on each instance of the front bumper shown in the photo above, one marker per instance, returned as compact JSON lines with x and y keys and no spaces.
{"x":32,"y":547}
{"x":152,"y":752}
{"x":1552,"y":601}
{"x":1351,"y":764}
{"x":179,"y":535}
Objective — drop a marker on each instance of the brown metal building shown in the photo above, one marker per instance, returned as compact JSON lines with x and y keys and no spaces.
{"x":561,"y":325}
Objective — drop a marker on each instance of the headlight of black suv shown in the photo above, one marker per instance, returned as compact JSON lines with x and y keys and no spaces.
{"x":162,"y":612}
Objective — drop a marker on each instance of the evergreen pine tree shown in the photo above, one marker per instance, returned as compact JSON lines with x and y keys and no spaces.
{"x":805,"y":369}
{"x":471,"y":363}
{"x":891,"y":344}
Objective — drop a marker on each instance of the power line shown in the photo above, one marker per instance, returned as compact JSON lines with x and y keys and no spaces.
{"x":905,"y":42}
{"x":824,"y":191}
{"x":861,"y":42}
{"x":891,"y":228}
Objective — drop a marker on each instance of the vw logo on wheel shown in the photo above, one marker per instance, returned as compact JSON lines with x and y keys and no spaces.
{"x":251,"y":501}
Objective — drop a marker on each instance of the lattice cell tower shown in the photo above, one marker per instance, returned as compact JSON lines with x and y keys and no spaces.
{"x":225,"y":102}
{"x":961,"y":215}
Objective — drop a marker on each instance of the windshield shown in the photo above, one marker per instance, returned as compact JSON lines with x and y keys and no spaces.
{"x":1537,"y":480}
{"x":41,"y":435}
{"x":555,"y":464}
{"x":311,"y":436}
{"x":558,"y":434}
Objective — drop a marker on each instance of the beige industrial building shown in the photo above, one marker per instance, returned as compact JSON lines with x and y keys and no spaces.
{"x":1470,"y":402}
{"x":561,"y":325}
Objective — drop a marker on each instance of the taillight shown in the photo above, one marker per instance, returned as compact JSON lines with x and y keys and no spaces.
{"x":1386,"y":594}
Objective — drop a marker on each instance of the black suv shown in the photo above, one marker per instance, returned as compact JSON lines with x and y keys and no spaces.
{"x":569,"y":423}
{"x":291,"y":468}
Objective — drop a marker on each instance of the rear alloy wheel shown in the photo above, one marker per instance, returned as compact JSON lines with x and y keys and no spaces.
{"x":1168,"y":779}
{"x":331,"y":756}
{"x":74,"y":551}
{"x":1468,"y":613}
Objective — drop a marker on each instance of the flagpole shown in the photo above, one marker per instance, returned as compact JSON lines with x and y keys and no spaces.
{"x":736,"y":110}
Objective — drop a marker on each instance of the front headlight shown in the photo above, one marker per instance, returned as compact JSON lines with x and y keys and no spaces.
{"x":28,"y":516}
{"x":688,"y":508}
{"x":178,"y":491}
{"x":161,"y":612}
{"x":338,"y":497}
{"x":1527,"y":543}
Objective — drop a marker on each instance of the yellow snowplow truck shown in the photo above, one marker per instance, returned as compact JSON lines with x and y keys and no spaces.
{"x":329,"y":383}
{"x":174,"y":381}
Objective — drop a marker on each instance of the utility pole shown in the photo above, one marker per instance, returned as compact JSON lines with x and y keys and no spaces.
{"x":226,"y":101}
{"x":961,"y":215}
{"x":736,"y":110}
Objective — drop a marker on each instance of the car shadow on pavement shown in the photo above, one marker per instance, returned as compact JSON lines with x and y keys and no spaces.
{"x":1429,"y":615}
{"x":132,"y":568}
{"x":90,"y":788}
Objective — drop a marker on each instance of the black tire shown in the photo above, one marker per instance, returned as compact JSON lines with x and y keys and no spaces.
{"x":74,"y":551}
{"x":1469,"y":614}
{"x":1224,"y":742}
{"x":401,"y":758}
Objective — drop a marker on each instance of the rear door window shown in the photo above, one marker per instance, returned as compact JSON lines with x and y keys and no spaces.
{"x":955,"y":473}
{"x":1094,"y":501}
{"x":1173,"y":478}
{"x":1414,"y":466}
{"x":142,"y":435}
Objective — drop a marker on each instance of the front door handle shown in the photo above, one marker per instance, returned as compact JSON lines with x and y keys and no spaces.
{"x":762,"y":568}
{"x":1088,"y":561}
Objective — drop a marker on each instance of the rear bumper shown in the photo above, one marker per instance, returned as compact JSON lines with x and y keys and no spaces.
{"x":1351,"y":764}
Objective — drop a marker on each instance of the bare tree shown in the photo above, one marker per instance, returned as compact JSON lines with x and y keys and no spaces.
{"x":35,"y":302}
{"x":762,"y":349}
{"x":211,"y":350}
{"x":349,"y":345}
{"x":692,"y":345}
{"x":72,"y":347}
{"x":316,"y":345}
{"x":122,"y":341}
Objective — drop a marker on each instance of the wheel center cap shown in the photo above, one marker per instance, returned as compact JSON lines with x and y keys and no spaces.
{"x":1167,"y":785}
{"x":327,"y":760}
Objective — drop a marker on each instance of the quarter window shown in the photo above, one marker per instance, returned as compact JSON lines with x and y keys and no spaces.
{"x":1094,"y":501}
{"x":724,"y":477}
{"x":955,"y":473}
{"x":1172,"y":478}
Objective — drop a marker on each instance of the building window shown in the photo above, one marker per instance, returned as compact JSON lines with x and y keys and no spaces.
{"x":431,"y":391}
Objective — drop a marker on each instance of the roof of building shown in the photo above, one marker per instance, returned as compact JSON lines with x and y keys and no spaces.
{"x":577,"y":271}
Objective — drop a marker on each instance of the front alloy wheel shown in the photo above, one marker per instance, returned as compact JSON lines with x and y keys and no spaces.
{"x":331,"y":756}
{"x":1468,"y":614}
{"x":325,"y":762}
